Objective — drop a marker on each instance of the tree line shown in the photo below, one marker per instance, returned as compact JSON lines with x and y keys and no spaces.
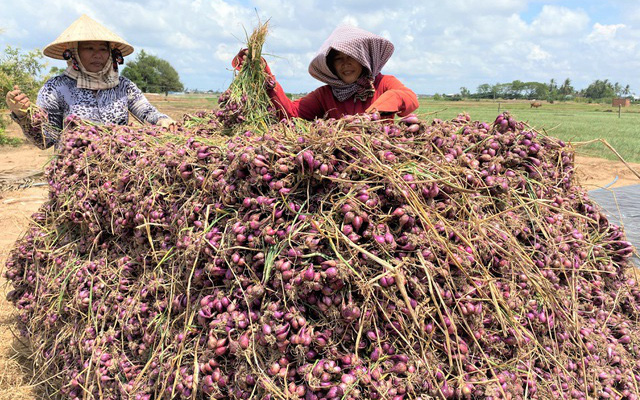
{"x":599,"y":90}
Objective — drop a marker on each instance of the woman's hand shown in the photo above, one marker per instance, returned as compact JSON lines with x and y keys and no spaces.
{"x":168,"y":123}
{"x":379,"y":115}
{"x":18,"y":102}
{"x":240,"y":58}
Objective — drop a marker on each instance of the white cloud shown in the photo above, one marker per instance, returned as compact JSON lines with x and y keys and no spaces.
{"x":224,"y":52}
{"x":182,"y":41}
{"x":613,"y":50}
{"x":537,"y":54}
{"x":558,"y":21}
{"x":603,"y":32}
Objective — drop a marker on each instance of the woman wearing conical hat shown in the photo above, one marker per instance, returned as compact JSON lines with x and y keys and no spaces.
{"x":90,"y":88}
{"x":349,"y":62}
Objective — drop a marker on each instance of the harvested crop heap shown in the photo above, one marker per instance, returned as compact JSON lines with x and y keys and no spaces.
{"x":348,"y":259}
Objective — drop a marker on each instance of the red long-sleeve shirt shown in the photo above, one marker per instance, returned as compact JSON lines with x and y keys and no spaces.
{"x":391,"y":96}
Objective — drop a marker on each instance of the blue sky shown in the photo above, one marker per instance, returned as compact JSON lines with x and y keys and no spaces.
{"x":441,"y":46}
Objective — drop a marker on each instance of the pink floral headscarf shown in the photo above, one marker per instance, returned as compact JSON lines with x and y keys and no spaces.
{"x":370,"y":50}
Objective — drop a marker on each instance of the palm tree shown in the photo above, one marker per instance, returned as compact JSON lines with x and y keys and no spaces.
{"x":566,"y":89}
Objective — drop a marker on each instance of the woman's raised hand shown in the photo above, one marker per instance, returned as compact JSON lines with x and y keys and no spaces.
{"x":18,"y":102}
{"x":239,"y":59}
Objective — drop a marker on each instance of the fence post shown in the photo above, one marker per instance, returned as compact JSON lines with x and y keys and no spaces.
{"x":619,"y":109}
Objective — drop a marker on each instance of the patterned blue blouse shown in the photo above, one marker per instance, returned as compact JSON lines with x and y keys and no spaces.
{"x":59,"y":98}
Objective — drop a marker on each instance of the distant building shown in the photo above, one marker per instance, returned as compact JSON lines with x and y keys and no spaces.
{"x":621,"y":102}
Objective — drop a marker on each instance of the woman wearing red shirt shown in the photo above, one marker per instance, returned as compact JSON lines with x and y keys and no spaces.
{"x":349,"y":62}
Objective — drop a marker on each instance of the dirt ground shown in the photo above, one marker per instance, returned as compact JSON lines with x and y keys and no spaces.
{"x":17,"y":205}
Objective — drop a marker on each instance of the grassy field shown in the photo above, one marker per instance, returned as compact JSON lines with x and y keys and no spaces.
{"x":571,"y":122}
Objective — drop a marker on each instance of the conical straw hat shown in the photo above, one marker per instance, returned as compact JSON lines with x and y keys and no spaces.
{"x":85,"y":29}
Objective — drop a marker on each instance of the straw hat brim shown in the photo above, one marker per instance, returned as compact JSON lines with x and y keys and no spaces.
{"x":82,"y":30}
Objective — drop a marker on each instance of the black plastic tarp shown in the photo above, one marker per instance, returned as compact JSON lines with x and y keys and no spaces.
{"x":622,"y":207}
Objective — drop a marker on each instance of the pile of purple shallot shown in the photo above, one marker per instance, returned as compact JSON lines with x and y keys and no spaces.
{"x":326,"y":260}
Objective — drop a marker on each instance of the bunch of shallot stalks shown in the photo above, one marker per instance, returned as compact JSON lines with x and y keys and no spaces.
{"x":326,"y":260}
{"x":246,"y":103}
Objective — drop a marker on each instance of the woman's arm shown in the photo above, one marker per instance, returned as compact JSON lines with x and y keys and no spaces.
{"x":396,"y":98}
{"x":308,"y":107}
{"x":140,"y":106}
{"x":38,"y":129}
{"x":42,"y":124}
